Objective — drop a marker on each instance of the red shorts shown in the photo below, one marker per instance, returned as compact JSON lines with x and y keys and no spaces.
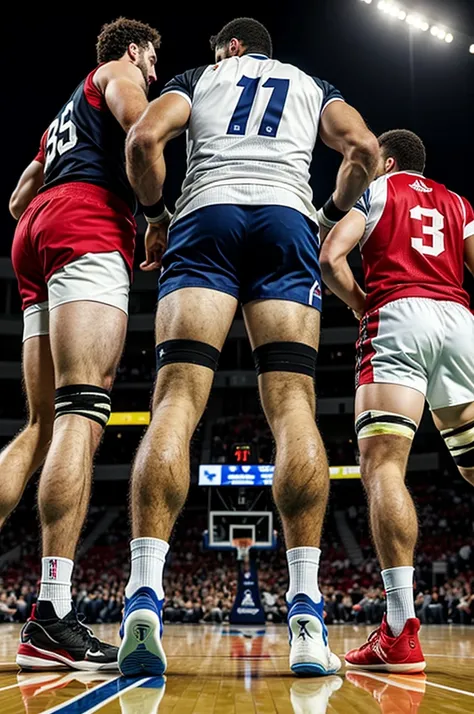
{"x":63,"y":224}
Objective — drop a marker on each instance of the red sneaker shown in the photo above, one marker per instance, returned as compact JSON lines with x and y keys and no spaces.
{"x":385,"y":653}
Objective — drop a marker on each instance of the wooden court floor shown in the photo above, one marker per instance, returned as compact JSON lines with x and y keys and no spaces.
{"x":220,"y":670}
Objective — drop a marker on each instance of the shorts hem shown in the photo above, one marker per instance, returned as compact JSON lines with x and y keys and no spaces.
{"x":163,"y":292}
{"x":452,"y":404}
{"x":396,"y":384}
{"x":286,"y":299}
{"x":88,"y":299}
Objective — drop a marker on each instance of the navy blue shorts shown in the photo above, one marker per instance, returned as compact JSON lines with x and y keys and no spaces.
{"x":250,"y":252}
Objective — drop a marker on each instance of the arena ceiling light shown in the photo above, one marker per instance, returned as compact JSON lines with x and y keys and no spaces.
{"x":396,"y":11}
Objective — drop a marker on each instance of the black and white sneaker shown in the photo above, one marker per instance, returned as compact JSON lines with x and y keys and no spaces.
{"x":48,"y":642}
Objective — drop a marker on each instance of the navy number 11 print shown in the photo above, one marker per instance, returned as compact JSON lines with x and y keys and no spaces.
{"x":273,"y":113}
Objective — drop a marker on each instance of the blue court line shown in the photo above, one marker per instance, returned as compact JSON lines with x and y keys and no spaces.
{"x":91,"y":701}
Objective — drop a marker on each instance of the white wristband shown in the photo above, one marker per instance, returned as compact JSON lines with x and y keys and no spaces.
{"x":323,"y":220}
{"x":158,"y":219}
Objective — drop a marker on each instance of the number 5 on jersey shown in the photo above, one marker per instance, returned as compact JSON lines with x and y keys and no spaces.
{"x":58,"y":128}
{"x":273,"y":113}
{"x":435,"y":230}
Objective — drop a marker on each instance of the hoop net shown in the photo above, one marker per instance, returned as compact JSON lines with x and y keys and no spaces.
{"x":242,"y":546}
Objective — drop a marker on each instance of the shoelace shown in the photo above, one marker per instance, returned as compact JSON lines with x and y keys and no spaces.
{"x":79,"y":627}
{"x":372,"y":640}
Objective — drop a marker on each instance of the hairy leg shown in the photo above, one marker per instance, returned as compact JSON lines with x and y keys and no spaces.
{"x":383,"y":461}
{"x":25,"y":454}
{"x":87,"y":340}
{"x":301,"y":480}
{"x":160,"y":479}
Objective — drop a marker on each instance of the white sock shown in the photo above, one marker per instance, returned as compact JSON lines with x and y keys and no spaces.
{"x":398,"y":583}
{"x":148,"y":560}
{"x":303,"y":565}
{"x":56,"y":583}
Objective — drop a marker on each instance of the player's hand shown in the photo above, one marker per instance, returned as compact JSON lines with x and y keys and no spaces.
{"x":156,"y":238}
{"x":360,"y":311}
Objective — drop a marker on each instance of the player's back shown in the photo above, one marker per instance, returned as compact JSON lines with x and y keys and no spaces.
{"x":85,"y":143}
{"x":253,"y":127}
{"x":414,"y":240}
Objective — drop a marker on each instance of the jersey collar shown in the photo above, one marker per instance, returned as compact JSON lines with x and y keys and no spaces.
{"x":410,"y":173}
{"x":257,"y":56}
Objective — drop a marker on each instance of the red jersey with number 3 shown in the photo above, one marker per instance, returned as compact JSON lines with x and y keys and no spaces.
{"x":413,"y":245}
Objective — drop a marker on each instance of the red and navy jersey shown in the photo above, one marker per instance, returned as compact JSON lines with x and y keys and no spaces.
{"x":413,"y":245}
{"x":85,"y":143}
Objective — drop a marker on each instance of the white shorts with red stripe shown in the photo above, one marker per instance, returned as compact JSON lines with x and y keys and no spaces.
{"x":424,"y":344}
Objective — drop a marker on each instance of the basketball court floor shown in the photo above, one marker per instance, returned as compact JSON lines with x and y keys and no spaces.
{"x":222,"y":670}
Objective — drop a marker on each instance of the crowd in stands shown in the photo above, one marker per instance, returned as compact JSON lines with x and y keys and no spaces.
{"x":200,"y":585}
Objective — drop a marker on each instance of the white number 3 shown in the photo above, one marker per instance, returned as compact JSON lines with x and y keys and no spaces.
{"x":435,"y":230}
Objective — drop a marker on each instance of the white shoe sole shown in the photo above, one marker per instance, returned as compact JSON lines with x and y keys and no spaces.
{"x":414,"y":668}
{"x":311,"y":656}
{"x":52,"y":661}
{"x":141,"y":651}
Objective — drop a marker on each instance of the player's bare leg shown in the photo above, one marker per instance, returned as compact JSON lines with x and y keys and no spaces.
{"x":387,"y":416}
{"x":383,"y":462}
{"x":301,"y":478}
{"x":456,"y":425}
{"x":25,"y":454}
{"x":160,"y":479}
{"x":197,"y":320}
{"x":86,"y":343}
{"x":86,"y":340}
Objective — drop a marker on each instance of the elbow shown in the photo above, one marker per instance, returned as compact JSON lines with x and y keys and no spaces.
{"x":327,"y":262}
{"x":364,"y":151}
{"x":139,"y":141}
{"x":15,"y":207}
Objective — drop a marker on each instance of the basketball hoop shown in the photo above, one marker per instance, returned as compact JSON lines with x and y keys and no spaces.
{"x":242,"y":545}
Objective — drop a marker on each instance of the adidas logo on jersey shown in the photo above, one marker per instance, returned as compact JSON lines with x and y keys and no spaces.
{"x":420,"y":186}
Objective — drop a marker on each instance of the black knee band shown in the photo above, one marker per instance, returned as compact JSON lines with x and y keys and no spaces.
{"x":286,"y":357}
{"x":186,"y":351}
{"x":83,"y":400}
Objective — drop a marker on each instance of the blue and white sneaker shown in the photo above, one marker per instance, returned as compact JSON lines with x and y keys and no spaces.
{"x":310,"y":655}
{"x":141,"y":651}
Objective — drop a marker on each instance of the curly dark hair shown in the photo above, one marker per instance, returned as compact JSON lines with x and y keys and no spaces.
{"x":116,"y":36}
{"x":405,"y":147}
{"x":253,"y":35}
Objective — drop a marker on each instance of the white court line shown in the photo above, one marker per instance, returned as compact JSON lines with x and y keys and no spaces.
{"x":63,"y":705}
{"x":450,"y":689}
{"x":402,"y":685}
{"x":99,"y":705}
{"x":10,"y":686}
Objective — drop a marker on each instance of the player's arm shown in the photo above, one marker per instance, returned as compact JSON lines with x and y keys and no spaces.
{"x":343,"y":129}
{"x":30,"y":182}
{"x":165,"y":118}
{"x":123,"y":88}
{"x":334,"y":266}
